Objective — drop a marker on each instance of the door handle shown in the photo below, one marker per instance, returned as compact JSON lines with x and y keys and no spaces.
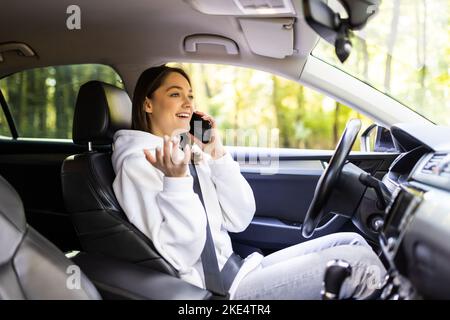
{"x":191,"y":43}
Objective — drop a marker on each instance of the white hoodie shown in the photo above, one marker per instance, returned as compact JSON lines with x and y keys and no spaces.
{"x":168,"y":211}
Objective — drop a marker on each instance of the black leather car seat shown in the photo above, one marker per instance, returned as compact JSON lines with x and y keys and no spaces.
{"x":31,"y":267}
{"x":101,"y":225}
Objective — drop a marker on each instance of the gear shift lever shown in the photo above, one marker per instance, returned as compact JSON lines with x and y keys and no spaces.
{"x":335,"y":274}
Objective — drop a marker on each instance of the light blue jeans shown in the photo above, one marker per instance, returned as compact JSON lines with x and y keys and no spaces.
{"x":297,"y":272}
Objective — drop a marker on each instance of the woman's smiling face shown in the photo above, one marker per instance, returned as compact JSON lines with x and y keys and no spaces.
{"x":171,"y":106}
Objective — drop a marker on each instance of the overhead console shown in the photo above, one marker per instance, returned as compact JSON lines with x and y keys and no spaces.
{"x":244,"y":7}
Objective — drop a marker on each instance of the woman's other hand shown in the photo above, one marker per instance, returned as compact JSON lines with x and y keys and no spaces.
{"x":214,"y":147}
{"x":172,"y":161}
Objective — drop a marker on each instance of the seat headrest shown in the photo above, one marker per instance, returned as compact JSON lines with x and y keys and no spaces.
{"x":101,"y":110}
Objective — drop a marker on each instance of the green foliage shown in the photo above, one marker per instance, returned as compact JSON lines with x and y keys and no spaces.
{"x":254,"y":108}
{"x":407,"y":57}
{"x":42,"y":101}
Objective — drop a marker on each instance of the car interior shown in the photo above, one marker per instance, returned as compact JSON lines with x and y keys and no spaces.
{"x":57,"y":205}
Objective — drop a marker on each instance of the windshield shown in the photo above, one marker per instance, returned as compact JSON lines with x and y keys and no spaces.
{"x":404,"y":51}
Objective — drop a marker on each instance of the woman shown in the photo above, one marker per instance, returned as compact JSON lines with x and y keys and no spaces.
{"x":155,"y":189}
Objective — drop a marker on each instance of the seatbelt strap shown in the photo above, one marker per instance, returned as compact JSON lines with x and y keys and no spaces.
{"x":213,"y":279}
{"x":230,"y":270}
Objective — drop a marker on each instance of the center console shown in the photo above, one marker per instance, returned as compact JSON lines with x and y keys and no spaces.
{"x":399,"y":215}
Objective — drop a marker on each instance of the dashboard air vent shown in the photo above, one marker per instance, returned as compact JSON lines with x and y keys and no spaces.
{"x":439,"y":163}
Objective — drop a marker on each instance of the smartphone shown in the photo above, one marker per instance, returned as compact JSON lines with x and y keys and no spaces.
{"x":201,"y":129}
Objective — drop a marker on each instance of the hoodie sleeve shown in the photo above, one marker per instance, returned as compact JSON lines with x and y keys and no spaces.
{"x":169,"y":213}
{"x":235,"y":194}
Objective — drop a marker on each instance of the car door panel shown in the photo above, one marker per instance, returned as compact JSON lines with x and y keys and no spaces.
{"x":33,"y":167}
{"x":283,"y":197}
{"x":284,"y":190}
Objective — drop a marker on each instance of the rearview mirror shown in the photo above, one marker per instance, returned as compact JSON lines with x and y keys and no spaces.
{"x":332,"y":27}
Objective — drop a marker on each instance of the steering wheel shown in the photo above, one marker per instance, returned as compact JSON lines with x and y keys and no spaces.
{"x":329,"y":178}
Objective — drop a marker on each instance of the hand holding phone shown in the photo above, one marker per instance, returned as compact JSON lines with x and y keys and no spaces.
{"x":200,"y":128}
{"x":203,"y":128}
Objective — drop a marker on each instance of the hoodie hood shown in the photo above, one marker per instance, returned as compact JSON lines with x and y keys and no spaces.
{"x":133,"y":142}
{"x":128,"y":142}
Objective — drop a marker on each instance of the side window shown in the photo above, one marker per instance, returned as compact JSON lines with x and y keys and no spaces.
{"x":4,"y":128}
{"x":258,"y":109}
{"x":42,"y":100}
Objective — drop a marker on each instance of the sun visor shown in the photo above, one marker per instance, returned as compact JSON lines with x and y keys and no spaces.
{"x":269,"y":37}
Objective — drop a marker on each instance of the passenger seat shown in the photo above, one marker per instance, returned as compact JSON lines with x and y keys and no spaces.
{"x":30,"y":266}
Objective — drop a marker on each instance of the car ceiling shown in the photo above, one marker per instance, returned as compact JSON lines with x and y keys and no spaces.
{"x":132,"y":35}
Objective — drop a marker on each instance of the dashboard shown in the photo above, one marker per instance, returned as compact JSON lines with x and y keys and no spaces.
{"x":415,"y":237}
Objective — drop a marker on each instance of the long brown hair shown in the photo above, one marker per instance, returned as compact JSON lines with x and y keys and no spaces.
{"x":149,"y":81}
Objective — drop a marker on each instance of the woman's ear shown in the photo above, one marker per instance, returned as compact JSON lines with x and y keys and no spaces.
{"x":148,"y":105}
